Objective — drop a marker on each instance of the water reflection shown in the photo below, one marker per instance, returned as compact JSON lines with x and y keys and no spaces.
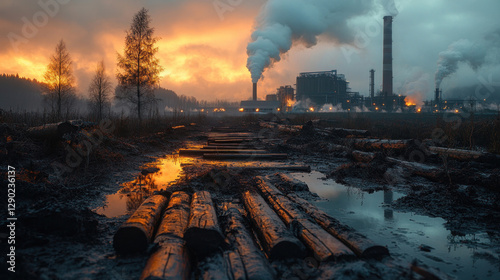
{"x":388,"y":198}
{"x":407,"y":235}
{"x":133,"y":193}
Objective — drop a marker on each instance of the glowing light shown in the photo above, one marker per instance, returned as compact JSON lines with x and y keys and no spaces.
{"x":348,"y":101}
{"x":456,"y":111}
{"x":311,"y":109}
{"x":241,"y":110}
{"x":376,"y":108}
{"x":257,"y":110}
{"x":419,"y":110}
{"x":278,"y":109}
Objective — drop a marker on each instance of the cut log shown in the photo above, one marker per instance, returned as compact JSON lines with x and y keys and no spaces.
{"x":234,"y":264}
{"x":243,"y":156}
{"x":357,"y":242}
{"x":235,"y":147}
{"x":365,"y":157}
{"x":233,"y":141}
{"x":379,"y":144}
{"x":203,"y":234}
{"x":137,"y":232}
{"x":290,"y":183}
{"x":430,"y":172}
{"x":256,"y":266}
{"x":324,"y":246}
{"x":193,"y":152}
{"x":277,"y":240}
{"x":467,"y":155}
{"x":175,"y":218}
{"x":343,"y":132}
{"x":296,"y":168}
{"x":51,"y":130}
{"x":169,"y":261}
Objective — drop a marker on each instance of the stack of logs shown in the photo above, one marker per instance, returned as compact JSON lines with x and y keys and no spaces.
{"x":233,"y":146}
{"x":186,"y":228}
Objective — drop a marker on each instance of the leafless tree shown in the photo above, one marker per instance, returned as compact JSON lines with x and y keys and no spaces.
{"x":139,"y":69}
{"x":59,"y":88}
{"x":100,"y":91}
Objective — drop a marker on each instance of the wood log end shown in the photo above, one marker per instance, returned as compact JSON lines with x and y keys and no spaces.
{"x":203,"y":242}
{"x":375,"y":252}
{"x":287,"y":250}
{"x":130,"y":239}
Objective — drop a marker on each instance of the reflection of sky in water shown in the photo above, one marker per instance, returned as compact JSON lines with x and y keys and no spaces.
{"x":464,"y":257}
{"x":134,"y":192}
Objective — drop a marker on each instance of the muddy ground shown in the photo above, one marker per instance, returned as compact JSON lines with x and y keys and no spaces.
{"x":60,"y":236}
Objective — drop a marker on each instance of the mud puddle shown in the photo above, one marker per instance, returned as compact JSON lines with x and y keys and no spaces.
{"x":408,"y":236}
{"x":154,"y":176}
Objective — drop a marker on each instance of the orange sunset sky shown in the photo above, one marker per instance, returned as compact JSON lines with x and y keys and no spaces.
{"x":203,"y":50}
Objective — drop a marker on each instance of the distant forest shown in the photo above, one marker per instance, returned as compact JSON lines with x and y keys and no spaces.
{"x":24,"y":94}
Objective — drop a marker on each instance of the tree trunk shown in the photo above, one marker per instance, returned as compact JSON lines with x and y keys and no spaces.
{"x":256,"y":266}
{"x":324,"y":246}
{"x":277,"y":240}
{"x":175,"y":219}
{"x":203,"y":234}
{"x":137,"y":232}
{"x":358,"y":243}
{"x":169,"y":261}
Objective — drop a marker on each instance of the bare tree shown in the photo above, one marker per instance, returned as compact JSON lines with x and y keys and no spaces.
{"x":59,"y":81}
{"x":139,"y":69}
{"x":99,"y":90}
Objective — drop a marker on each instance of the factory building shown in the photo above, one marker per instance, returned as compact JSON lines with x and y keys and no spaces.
{"x":286,"y":97}
{"x":327,"y":87}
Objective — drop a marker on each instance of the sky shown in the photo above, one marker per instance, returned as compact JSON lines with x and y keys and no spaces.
{"x":203,"y":45}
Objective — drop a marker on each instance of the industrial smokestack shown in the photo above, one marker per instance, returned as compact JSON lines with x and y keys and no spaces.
{"x":437,"y":96}
{"x":372,"y":83}
{"x":254,"y":91}
{"x":387,"y":74}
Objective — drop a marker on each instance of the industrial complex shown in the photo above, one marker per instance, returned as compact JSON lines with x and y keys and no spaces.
{"x":314,"y":90}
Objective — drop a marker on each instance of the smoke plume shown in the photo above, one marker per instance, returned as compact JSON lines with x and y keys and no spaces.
{"x":281,"y":23}
{"x":475,"y":54}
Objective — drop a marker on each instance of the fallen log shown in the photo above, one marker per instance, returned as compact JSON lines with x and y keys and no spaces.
{"x":426,"y":171}
{"x":169,"y":261}
{"x":51,"y":130}
{"x":234,"y":264}
{"x":358,"y":243}
{"x":137,"y":232}
{"x":379,"y":144}
{"x":193,"y":152}
{"x":276,"y":239}
{"x":365,"y":157}
{"x":343,"y":132}
{"x":291,"y":184}
{"x":256,"y":266}
{"x":228,"y":141}
{"x":324,"y":246}
{"x":175,"y":218}
{"x":203,"y":234}
{"x":245,"y":156}
{"x":237,"y":147}
{"x":466,"y":155}
{"x":296,"y":168}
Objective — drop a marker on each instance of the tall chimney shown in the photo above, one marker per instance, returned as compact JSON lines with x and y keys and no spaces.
{"x":372,"y":83}
{"x":387,"y":74}
{"x":254,"y":91}
{"x":437,"y":96}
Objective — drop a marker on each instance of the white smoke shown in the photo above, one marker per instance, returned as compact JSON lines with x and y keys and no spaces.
{"x":389,"y":7}
{"x":284,"y":22}
{"x":475,"y":54}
